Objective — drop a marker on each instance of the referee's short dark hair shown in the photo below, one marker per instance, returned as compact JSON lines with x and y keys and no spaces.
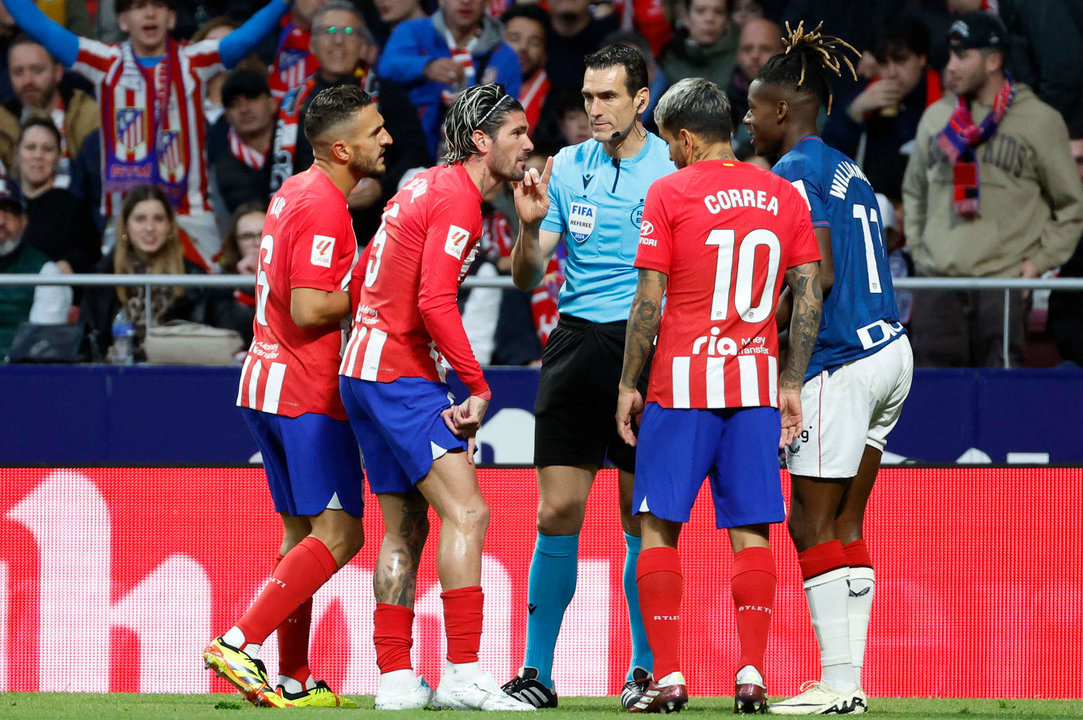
{"x":332,"y":107}
{"x":629,"y":58}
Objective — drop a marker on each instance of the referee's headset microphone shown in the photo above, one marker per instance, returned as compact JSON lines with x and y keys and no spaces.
{"x":618,"y":134}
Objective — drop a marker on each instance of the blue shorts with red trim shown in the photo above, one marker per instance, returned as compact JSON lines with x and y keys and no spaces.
{"x":736,"y":449}
{"x":399,"y":428}
{"x":312,"y":462}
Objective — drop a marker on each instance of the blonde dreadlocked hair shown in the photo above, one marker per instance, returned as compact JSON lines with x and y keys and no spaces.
{"x":808,"y":57}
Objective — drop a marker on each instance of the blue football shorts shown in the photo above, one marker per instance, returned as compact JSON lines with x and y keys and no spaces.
{"x":312,"y":462}
{"x":399,"y":428}
{"x":736,"y":449}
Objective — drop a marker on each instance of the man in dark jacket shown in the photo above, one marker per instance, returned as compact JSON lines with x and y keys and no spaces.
{"x":242,"y":172}
{"x":338,"y":38}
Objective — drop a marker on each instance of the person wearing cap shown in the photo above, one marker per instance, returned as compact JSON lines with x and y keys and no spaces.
{"x":991,"y":190}
{"x":242,"y":173}
{"x":47,"y":304}
{"x":134,"y":80}
{"x":339,"y":39}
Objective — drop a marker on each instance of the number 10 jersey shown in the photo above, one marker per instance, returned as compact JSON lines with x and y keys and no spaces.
{"x":725,"y":233}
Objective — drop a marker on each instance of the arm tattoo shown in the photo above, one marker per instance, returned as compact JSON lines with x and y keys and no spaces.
{"x":804,"y":283}
{"x":395,"y":578}
{"x":643,"y":324}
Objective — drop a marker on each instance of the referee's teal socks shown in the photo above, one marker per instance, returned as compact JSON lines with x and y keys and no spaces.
{"x":641,"y":649}
{"x":550,"y":588}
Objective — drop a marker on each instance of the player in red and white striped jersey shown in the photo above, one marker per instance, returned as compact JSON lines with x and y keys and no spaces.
{"x":290,"y":400}
{"x":418,"y":448}
{"x":717,"y":239}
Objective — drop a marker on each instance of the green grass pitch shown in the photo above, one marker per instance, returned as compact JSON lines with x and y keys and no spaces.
{"x":81,"y":706}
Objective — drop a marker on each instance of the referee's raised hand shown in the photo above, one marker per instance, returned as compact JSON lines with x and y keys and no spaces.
{"x":532,"y":194}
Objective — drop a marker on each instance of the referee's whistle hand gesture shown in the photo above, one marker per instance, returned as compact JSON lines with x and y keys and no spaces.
{"x":532,"y":194}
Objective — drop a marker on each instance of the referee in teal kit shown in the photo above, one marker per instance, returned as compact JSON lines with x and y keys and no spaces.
{"x":595,"y":201}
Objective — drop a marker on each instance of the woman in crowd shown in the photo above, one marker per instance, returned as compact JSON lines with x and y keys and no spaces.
{"x":58,"y":224}
{"x":236,"y":308}
{"x":147,"y":242}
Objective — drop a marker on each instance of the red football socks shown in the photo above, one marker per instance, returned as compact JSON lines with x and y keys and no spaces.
{"x":393,"y":635}
{"x":293,"y":639}
{"x":661,"y":585}
{"x":822,"y":558}
{"x":754,"y":599}
{"x":301,"y":573}
{"x":462,"y":623}
{"x":857,"y":554}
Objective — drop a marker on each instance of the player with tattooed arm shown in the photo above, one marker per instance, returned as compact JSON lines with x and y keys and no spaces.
{"x":718,"y":240}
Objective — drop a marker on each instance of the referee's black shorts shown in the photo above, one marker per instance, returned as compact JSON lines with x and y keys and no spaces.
{"x":577,"y":396}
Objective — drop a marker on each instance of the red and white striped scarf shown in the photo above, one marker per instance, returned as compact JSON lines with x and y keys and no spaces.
{"x":284,"y":145}
{"x":463,"y":56}
{"x":145,"y":136}
{"x":245,"y":153}
{"x":532,"y":95}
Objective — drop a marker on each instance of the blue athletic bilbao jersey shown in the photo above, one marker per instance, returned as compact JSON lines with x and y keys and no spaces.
{"x":597,"y":203}
{"x":859,"y":315}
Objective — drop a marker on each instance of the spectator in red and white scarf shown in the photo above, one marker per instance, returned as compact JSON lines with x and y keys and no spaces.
{"x":526,"y":30}
{"x":991,"y":190}
{"x":294,"y":60}
{"x":241,"y":173}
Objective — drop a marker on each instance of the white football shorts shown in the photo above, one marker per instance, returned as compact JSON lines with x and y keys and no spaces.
{"x":853,"y":406}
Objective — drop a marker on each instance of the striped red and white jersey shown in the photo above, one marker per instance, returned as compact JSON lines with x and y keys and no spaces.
{"x":724,"y":232}
{"x":407,"y":320}
{"x":132,"y":99}
{"x":308,"y":242}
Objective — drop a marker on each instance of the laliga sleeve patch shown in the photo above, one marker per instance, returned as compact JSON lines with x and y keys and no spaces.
{"x":455,"y":244}
{"x":323,"y":249}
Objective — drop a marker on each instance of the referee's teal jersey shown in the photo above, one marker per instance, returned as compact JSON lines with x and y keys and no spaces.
{"x":596,"y":202}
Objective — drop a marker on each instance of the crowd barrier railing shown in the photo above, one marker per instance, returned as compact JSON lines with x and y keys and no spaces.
{"x":1006,"y":285}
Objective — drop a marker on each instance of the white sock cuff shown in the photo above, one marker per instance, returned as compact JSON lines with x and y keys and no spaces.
{"x":462,"y":670}
{"x":842,"y":573}
{"x":862,"y":573}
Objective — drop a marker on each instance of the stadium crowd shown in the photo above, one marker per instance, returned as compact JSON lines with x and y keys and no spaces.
{"x":81,"y":127}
